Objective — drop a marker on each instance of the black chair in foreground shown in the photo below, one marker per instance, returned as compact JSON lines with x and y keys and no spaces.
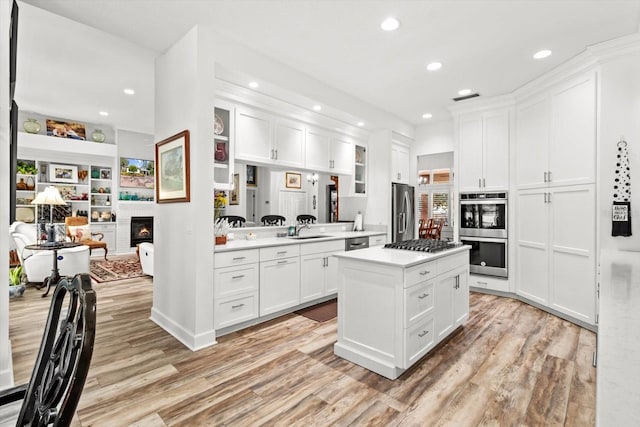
{"x":234,"y":221}
{"x":306,"y":219}
{"x":273,"y":220}
{"x":61,"y":368}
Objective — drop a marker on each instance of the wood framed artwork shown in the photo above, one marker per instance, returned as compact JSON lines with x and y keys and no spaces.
{"x":172,"y":169}
{"x":293,"y":180}
{"x":137,"y":173}
{"x":63,"y":173}
{"x":66,"y":129}
{"x":234,"y":195}
{"x":252,"y":176}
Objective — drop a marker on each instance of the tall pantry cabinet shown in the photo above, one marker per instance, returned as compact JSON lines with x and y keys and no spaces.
{"x":555,"y":173}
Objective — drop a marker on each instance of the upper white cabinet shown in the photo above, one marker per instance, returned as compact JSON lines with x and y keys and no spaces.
{"x":484,"y":151}
{"x":556,"y":136}
{"x":224,"y":125}
{"x":288,"y":144}
{"x":328,"y":152}
{"x":254,"y":130}
{"x":400,"y":163}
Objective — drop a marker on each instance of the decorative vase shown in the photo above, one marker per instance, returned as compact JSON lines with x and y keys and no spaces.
{"x":97,"y":135}
{"x":31,"y":126}
{"x":221,"y":152}
{"x":31,"y":183}
{"x":95,"y":173}
{"x":221,"y":240}
{"x":16,"y":291}
{"x":21,"y":185}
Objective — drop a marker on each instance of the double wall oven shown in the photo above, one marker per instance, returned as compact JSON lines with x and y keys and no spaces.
{"x":483,"y":226}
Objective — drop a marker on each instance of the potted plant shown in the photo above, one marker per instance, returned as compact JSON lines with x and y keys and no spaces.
{"x":16,"y":287}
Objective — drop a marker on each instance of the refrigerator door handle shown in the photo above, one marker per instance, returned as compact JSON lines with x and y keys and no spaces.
{"x":407,"y":211}
{"x":401,"y":222}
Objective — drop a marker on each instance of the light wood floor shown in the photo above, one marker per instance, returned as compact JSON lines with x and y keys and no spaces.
{"x":510,"y":365}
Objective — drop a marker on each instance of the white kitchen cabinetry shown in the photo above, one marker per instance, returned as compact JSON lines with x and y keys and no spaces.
{"x":224,"y":145}
{"x":279,"y":278}
{"x":556,"y":136}
{"x":288,"y":144}
{"x":388,"y":313}
{"x":254,"y":131}
{"x":484,"y":151}
{"x":400,"y":163}
{"x":328,"y":152}
{"x":380,"y":240}
{"x":236,"y":287}
{"x":556,"y":264}
{"x":318,"y":271}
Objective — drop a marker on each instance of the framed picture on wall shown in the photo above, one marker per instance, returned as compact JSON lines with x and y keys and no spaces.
{"x":63,"y":173}
{"x":234,"y":195}
{"x":293,"y":180}
{"x":172,"y":169}
{"x":252,"y":176}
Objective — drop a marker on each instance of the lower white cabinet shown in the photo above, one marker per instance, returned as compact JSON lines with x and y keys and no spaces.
{"x":379,"y":240}
{"x":452,"y":301}
{"x":318,"y":269}
{"x":236,"y":279}
{"x":488,"y":282}
{"x":279,"y":278}
{"x":109,"y":232}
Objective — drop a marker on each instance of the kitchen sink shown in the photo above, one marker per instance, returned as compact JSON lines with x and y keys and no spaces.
{"x":314,"y":236}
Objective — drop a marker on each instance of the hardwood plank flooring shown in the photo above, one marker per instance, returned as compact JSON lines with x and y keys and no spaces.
{"x":511,"y":364}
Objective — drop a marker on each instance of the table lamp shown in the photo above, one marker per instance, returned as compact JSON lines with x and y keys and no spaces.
{"x":50,"y":196}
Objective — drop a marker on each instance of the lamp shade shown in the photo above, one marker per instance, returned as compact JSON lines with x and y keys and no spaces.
{"x":50,"y":196}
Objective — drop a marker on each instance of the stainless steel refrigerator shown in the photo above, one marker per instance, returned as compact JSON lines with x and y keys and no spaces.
{"x":402,"y":212}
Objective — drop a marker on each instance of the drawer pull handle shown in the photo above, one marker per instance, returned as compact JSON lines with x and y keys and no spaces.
{"x":281,"y":252}
{"x":237,"y":306}
{"x":238,"y":277}
{"x":423,"y":272}
{"x":482,"y":283}
{"x":423,"y":296}
{"x":423,"y":333}
{"x":283,"y":262}
{"x":237,"y":258}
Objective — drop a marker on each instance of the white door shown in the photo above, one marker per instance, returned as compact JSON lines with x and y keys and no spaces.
{"x":496,"y":151}
{"x":461,"y":296}
{"x":573,"y":133}
{"x":572,"y":250}
{"x":312,"y":277}
{"x":532,"y":143}
{"x":532,"y":239}
{"x":341,"y":156}
{"x":279,"y":285}
{"x":289,"y":143}
{"x":445,"y":285}
{"x":331,"y":271}
{"x":291,"y":204}
{"x":470,"y":154}
{"x":317,"y":150}
{"x":253,"y":135}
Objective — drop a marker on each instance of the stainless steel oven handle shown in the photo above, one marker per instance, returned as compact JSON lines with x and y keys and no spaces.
{"x":484,"y":239}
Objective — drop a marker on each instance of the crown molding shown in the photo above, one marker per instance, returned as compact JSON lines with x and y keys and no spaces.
{"x":613,"y":49}
{"x":477,"y":105}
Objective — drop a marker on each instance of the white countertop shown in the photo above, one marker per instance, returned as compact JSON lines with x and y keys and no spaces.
{"x":262,"y":242}
{"x":398,"y":257}
{"x":618,"y":391}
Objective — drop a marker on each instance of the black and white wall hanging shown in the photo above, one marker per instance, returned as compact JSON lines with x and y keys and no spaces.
{"x":621,"y":215}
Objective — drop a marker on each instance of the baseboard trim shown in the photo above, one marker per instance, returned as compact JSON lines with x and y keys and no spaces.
{"x":192,"y":342}
{"x":6,"y":375}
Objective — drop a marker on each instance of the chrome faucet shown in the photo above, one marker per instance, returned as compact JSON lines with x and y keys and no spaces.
{"x":300,"y":227}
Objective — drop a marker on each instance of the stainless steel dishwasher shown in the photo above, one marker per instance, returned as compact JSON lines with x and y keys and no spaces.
{"x":354,"y":243}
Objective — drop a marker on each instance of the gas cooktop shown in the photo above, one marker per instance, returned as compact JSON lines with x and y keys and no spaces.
{"x":423,"y":245}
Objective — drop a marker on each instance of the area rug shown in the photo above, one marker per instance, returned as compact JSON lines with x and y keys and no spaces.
{"x":321,"y":312}
{"x":118,"y":267}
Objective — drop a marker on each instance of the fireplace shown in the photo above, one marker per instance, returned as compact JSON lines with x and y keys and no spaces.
{"x":141,"y":229}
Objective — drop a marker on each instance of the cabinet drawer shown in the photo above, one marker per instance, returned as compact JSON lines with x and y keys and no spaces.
{"x":452,"y":261}
{"x":418,"y":340}
{"x":377,"y":240}
{"x":418,"y":300}
{"x":235,"y":280}
{"x":229,"y":311}
{"x":486,"y":282}
{"x":420,"y":273}
{"x":318,"y":247}
{"x":228,"y":259}
{"x":279,"y":252}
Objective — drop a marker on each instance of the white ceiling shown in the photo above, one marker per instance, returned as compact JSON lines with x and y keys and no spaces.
{"x":486,"y":46}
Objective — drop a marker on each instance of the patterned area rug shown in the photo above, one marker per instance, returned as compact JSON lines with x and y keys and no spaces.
{"x":117,"y":268}
{"x":321,"y":312}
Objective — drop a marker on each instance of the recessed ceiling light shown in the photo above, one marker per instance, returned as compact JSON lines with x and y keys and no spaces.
{"x":464,"y":92}
{"x":434,"y":66}
{"x":253,"y":85}
{"x":542,"y":54}
{"x":317,"y":107}
{"x":427,"y":115}
{"x":390,"y":24}
{"x":129,"y":91}
{"x":103,"y":113}
{"x":360,"y":124}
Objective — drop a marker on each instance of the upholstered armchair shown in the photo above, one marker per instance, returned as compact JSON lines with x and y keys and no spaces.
{"x":145,"y":253}
{"x":78,"y":230}
{"x":37,"y":265}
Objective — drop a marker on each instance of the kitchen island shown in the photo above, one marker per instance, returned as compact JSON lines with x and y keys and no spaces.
{"x":396,"y":305}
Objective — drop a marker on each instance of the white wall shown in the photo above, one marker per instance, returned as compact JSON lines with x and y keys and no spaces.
{"x":434,"y":138}
{"x":183,"y":244}
{"x":6,"y":374}
{"x":619,"y":116}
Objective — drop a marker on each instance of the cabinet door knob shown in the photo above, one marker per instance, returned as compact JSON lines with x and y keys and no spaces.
{"x":423,"y":333}
{"x":237,"y":306}
{"x":423,"y":296}
{"x":549,"y":175}
{"x":545,"y":177}
{"x":479,"y":182}
{"x":483,"y":183}
{"x":424,"y":272}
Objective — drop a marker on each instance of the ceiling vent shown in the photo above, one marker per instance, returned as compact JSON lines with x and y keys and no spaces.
{"x":462,"y":98}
